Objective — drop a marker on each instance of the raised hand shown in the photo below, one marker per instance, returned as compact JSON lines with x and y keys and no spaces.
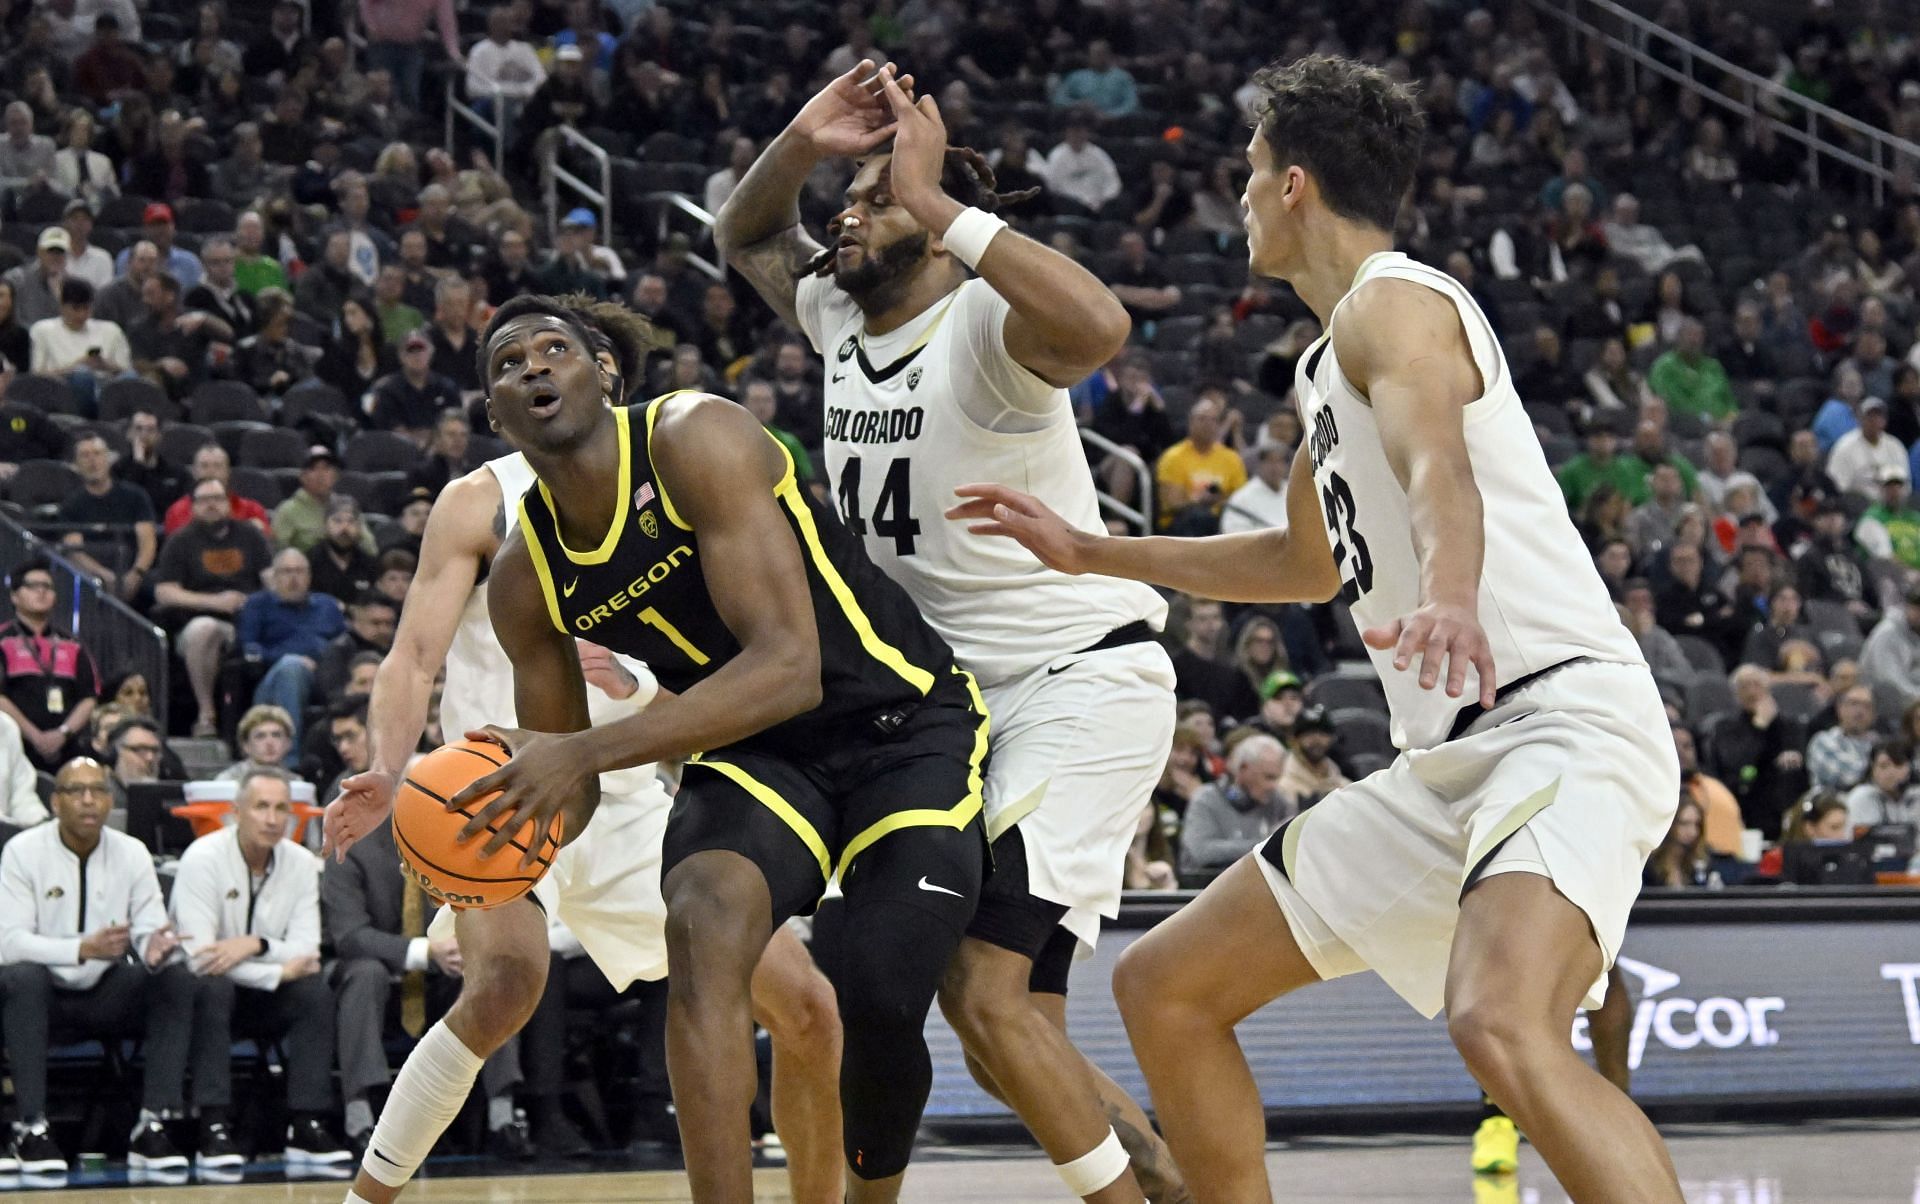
{"x":919,"y":141}
{"x":848,"y":117}
{"x":1448,"y":639}
{"x":998,"y":510}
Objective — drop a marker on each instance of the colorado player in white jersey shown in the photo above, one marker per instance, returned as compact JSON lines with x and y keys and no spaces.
{"x":1490,"y":868}
{"x":936,"y":377}
{"x":605,"y":885}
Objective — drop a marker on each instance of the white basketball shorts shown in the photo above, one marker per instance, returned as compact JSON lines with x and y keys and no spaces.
{"x":1574,"y":777}
{"x":1077,"y":747}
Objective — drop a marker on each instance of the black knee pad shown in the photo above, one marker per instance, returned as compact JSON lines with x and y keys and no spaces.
{"x":1053,"y":965}
{"x":886,"y":964}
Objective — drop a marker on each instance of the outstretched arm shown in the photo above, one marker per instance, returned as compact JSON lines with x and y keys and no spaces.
{"x":1290,"y":564}
{"x":1064,"y":323}
{"x":463,"y":530}
{"x":758,"y":229}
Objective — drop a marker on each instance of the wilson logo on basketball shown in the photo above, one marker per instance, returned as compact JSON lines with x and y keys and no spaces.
{"x":434,"y":892}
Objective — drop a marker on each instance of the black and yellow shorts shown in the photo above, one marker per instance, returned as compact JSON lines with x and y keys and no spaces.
{"x":899,"y":812}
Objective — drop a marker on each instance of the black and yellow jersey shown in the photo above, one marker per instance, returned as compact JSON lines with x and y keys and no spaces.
{"x":643,"y":593}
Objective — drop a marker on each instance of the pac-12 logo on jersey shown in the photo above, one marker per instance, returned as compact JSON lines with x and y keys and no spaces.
{"x":913,"y":380}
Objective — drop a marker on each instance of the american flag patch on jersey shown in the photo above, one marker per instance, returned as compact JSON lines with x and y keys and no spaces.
{"x":643,"y":495}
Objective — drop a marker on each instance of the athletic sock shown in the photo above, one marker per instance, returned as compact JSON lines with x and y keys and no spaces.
{"x":1488,"y":1109}
{"x":425,"y":1098}
{"x":359,"y":1117}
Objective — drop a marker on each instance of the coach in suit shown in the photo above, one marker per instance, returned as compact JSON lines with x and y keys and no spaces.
{"x":377,"y":920}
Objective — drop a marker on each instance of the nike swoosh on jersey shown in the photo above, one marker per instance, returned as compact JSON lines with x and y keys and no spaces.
{"x":838,"y":379}
{"x":926,"y":885}
{"x":567,"y":590}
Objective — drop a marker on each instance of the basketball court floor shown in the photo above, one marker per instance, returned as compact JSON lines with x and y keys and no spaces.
{"x":1841,"y":1162}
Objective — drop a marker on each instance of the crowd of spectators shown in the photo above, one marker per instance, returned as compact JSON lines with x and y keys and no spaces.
{"x":242,"y":281}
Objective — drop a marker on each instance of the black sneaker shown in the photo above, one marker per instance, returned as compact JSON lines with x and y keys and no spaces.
{"x":217,"y":1147}
{"x":35,"y":1151}
{"x":513,"y":1140}
{"x":150,"y":1149}
{"x":309,"y":1144}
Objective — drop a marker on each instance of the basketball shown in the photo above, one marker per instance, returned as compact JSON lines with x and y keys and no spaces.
{"x":427,"y":834}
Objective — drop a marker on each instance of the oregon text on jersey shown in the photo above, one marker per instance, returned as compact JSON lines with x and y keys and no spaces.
{"x":874,"y":426}
{"x":634,"y":591}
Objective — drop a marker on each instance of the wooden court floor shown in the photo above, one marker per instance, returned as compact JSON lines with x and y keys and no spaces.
{"x":1823,"y":1163}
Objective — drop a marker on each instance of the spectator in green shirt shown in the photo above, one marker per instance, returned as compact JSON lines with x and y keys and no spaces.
{"x":1650,"y":451}
{"x":253,"y":268}
{"x":397,"y":318}
{"x":301,"y":521}
{"x":1890,"y":528}
{"x":1600,"y":462}
{"x":1690,"y":380}
{"x":761,"y":401}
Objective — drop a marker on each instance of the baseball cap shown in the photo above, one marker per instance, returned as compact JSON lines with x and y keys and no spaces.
{"x":53,"y":238}
{"x":1891,"y":473}
{"x":340,"y":503}
{"x":159,"y":211}
{"x":1277,"y":681}
{"x":1313,"y":719}
{"x":570,"y":53}
{"x":416,"y":341}
{"x":1873,"y":403}
{"x":1910,"y":90}
{"x":321,"y":452}
{"x":582,"y":216}
{"x":77,"y":205}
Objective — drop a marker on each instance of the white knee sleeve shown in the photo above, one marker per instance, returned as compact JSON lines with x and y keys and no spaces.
{"x":425,"y":1098}
{"x":1095,"y":1169}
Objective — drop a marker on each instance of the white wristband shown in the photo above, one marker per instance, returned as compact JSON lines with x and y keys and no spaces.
{"x":1097,"y":1168}
{"x":967,"y":238}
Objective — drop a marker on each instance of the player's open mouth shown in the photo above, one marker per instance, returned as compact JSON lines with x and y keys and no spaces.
{"x":846,"y":247}
{"x":543,"y":400}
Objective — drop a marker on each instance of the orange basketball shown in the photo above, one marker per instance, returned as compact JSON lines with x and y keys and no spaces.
{"x":426,"y":832}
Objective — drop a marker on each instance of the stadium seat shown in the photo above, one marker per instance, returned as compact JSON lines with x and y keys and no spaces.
{"x":233,"y":432}
{"x":122,"y":399}
{"x":1701,"y":654}
{"x":1338,"y":692}
{"x":378,"y":451}
{"x":259,"y":484}
{"x":314,"y":397}
{"x":273,"y":447}
{"x":123,"y":211}
{"x":203,"y":215}
{"x":1797,"y":699}
{"x":1708,"y":696}
{"x":225,"y":401}
{"x":179,"y":440}
{"x":41,"y":485}
{"x":49,"y":394}
{"x":1360,"y":730}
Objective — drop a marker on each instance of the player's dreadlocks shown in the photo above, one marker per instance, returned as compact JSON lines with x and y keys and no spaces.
{"x":967,"y":177}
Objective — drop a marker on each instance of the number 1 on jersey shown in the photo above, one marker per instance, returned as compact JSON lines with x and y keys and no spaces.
{"x":892,"y":510}
{"x":654,"y":619}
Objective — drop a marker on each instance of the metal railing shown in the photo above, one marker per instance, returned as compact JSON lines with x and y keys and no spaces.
{"x":552,"y":176}
{"x":666,"y":206}
{"x":119,"y":638}
{"x":1142,"y":516}
{"x":1826,"y":132}
{"x":492,"y":129}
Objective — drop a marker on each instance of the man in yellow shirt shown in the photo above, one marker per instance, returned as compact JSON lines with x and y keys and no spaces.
{"x":1197,"y":474}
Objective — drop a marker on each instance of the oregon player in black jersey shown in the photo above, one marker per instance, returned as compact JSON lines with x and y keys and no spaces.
{"x":828,"y":726}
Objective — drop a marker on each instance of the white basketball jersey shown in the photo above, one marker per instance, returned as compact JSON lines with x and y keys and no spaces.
{"x":1541,"y":599}
{"x":900,"y":438}
{"x":479,"y":687}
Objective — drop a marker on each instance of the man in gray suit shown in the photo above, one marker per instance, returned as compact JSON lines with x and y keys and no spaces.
{"x":377,"y":921}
